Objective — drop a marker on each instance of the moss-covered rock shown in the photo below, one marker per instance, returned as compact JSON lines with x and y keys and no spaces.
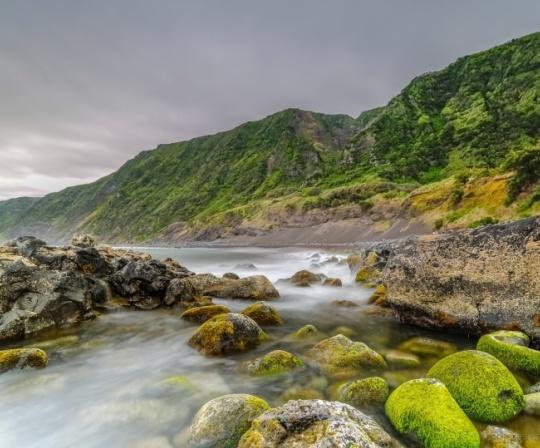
{"x":369,"y":273}
{"x":263,"y":314}
{"x":345,"y":331}
{"x":20,"y":358}
{"x":307,"y":333}
{"x":301,"y":393}
{"x":367,"y":391}
{"x":221,"y":422}
{"x":497,"y":437}
{"x":399,"y":359}
{"x":305,"y":278}
{"x":201,"y":314}
{"x":330,"y":281}
{"x":231,"y":275}
{"x":274,"y":363}
{"x":484,"y":388}
{"x":425,"y":410}
{"x":57,"y":343}
{"x":340,"y":356}
{"x":512,"y":349}
{"x":427,"y":347}
{"x":315,"y":423}
{"x":379,"y":296}
{"x":344,"y":303}
{"x":179,"y":383}
{"x":532,"y":404}
{"x":227,"y":333}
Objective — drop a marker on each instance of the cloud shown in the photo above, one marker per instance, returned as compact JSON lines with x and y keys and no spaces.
{"x":84,"y":86}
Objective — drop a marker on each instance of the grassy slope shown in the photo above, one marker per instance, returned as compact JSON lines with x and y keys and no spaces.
{"x":437,"y":151}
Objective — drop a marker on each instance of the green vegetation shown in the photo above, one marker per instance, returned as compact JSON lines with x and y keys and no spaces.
{"x":483,"y":222}
{"x":368,"y":391}
{"x":437,"y":150}
{"x":274,"y":363}
{"x":483,"y":387}
{"x":425,"y":410}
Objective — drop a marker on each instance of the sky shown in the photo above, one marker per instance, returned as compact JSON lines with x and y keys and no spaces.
{"x":86,"y":85}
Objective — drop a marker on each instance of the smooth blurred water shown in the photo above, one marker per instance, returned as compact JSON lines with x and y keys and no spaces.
{"x":107,"y":389}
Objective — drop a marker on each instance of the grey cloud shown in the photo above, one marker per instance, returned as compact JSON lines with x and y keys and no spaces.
{"x":86,"y":85}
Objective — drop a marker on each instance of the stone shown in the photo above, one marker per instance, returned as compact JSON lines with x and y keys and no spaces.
{"x":227,"y":333}
{"x":221,"y":422}
{"x":20,"y":358}
{"x":532,"y":404}
{"x":344,"y":303}
{"x":425,"y":410}
{"x":274,"y":363}
{"x":329,"y":281}
{"x":315,"y":424}
{"x":83,"y":240}
{"x":201,"y":314}
{"x":364,"y":392}
{"x":512,"y":349}
{"x":484,"y":388}
{"x":427,"y":347}
{"x":399,"y":359}
{"x":263,"y":314}
{"x":304,"y":277}
{"x":231,"y":276}
{"x":306,"y":333}
{"x":379,"y":296}
{"x":497,"y":437}
{"x":339,"y":355}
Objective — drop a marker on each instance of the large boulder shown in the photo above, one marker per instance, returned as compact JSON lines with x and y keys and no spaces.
{"x":471,"y":280}
{"x":483,"y":387}
{"x":221,"y":422}
{"x":315,"y":424}
{"x":227,"y":333}
{"x":424,"y":410}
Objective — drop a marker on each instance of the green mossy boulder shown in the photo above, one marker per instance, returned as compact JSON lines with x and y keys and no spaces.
{"x":201,"y":314}
{"x":399,"y":359}
{"x":367,"y":391}
{"x":307,"y":333}
{"x":497,"y":437}
{"x":424,"y":409}
{"x":20,"y":358}
{"x":484,"y":388}
{"x":339,"y":356}
{"x":221,"y":422}
{"x":227,"y":333}
{"x":379,"y":296}
{"x":263,"y":314}
{"x":512,"y":349}
{"x":274,"y":363}
{"x":427,"y":347}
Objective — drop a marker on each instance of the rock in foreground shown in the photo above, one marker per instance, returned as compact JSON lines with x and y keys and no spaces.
{"x":315,"y":423}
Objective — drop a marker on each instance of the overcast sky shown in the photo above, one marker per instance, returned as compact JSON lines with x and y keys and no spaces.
{"x":87,"y":84}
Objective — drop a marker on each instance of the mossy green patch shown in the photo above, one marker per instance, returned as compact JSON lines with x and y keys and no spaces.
{"x":484,"y":388}
{"x":274,"y":363}
{"x":425,"y":410}
{"x":263,"y":314}
{"x":367,"y":391}
{"x":201,"y":314}
{"x":511,"y":348}
{"x":19,"y":358}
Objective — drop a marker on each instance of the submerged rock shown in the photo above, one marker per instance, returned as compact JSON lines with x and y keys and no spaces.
{"x":306,"y":333}
{"x":221,"y":422}
{"x":532,"y":404}
{"x":396,"y":358}
{"x":274,"y":363}
{"x":344,"y":303}
{"x":315,"y":423}
{"x":483,"y":387}
{"x":263,"y":314}
{"x":305,"y":278}
{"x":227,"y":333}
{"x":20,"y":358}
{"x":425,"y":410}
{"x":367,"y":391}
{"x":497,"y":437}
{"x":201,"y":314}
{"x":339,"y":355}
{"x":332,"y":282}
{"x":427,"y":347}
{"x":512,"y":349}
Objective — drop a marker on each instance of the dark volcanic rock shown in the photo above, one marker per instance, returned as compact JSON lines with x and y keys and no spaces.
{"x":471,"y":281}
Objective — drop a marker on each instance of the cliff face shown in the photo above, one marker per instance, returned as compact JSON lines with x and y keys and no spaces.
{"x":472,"y":281}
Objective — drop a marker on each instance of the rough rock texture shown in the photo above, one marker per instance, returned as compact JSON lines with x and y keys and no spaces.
{"x":46,"y":288}
{"x":201,"y":314}
{"x":263,"y":314}
{"x":21,"y":358}
{"x":315,"y":424}
{"x":472,"y":281}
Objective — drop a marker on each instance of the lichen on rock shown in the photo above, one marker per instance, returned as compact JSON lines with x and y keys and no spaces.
{"x":274,"y":363}
{"x":20,"y":358}
{"x":263,"y":314}
{"x":201,"y":314}
{"x":367,"y":391}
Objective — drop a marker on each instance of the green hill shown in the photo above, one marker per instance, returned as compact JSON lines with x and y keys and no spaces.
{"x":438,"y":151}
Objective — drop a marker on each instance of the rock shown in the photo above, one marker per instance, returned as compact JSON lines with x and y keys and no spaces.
{"x":56,"y":343}
{"x":379,"y":296}
{"x":221,"y":422}
{"x":339,"y":355}
{"x":427,"y":347}
{"x":201,"y":314}
{"x":369,"y":272}
{"x":263,"y":314}
{"x":367,"y":391}
{"x":497,"y":437}
{"x":471,"y":281}
{"x":306,"y":333}
{"x":425,"y":410}
{"x":231,"y":276}
{"x":315,"y":423}
{"x":83,"y":240}
{"x":305,"y":278}
{"x":332,"y":282}
{"x":532,"y":404}
{"x":20,"y":358}
{"x":345,"y":331}
{"x":274,"y":363}
{"x":184,"y":290}
{"x":511,"y":348}
{"x":344,"y":303}
{"x":483,"y":387}
{"x":395,"y":378}
{"x":354,"y":262}
{"x":396,"y":358}
{"x":533,"y":389}
{"x":227,"y":333}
